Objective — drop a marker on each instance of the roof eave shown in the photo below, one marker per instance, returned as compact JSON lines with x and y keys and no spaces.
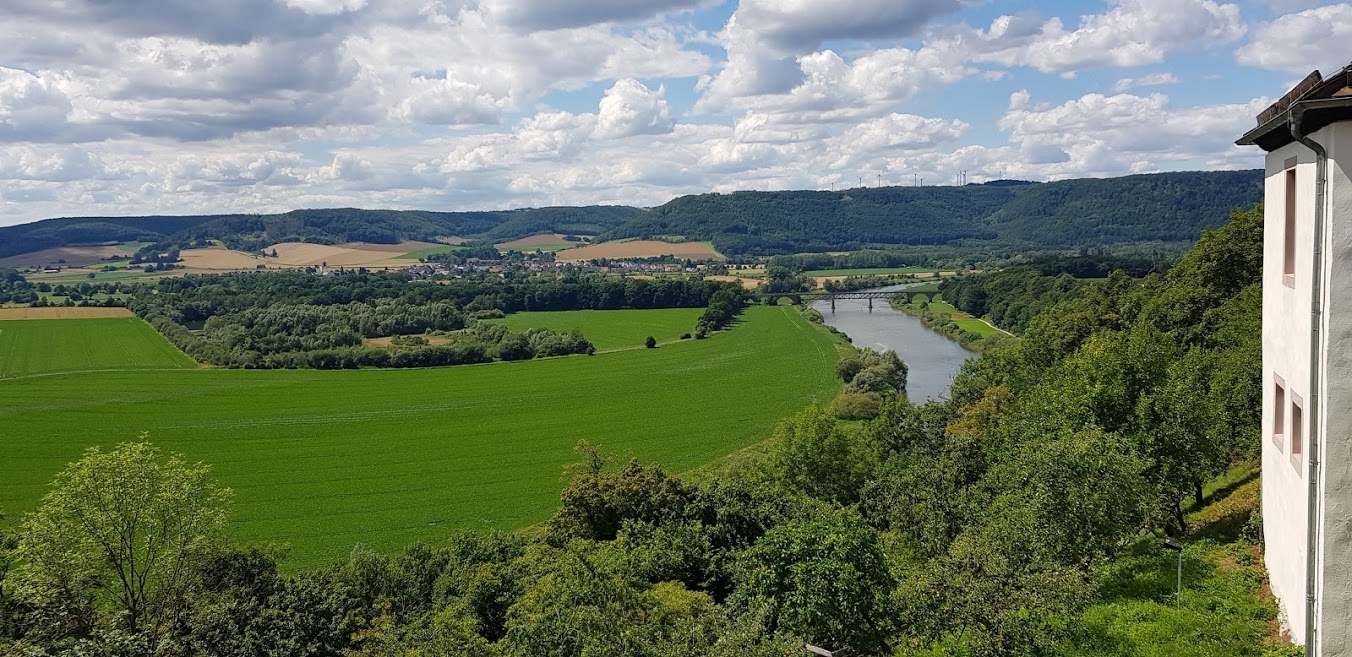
{"x":1257,"y":135}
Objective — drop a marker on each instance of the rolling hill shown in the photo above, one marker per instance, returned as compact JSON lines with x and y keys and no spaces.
{"x":1165,"y":207}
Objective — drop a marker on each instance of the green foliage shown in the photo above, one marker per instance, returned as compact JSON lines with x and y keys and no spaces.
{"x":595,"y":505}
{"x":825,"y":580}
{"x":117,"y":540}
{"x":816,"y":456}
{"x":856,"y":405}
{"x":1168,"y":207}
{"x":1220,"y":613}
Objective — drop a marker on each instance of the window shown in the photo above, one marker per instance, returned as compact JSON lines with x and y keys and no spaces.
{"x":1289,"y":236}
{"x":1297,"y":432}
{"x":1278,"y":411}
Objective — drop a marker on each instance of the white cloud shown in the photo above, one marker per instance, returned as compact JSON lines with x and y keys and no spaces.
{"x":1148,"y":80}
{"x":144,"y":106}
{"x":32,"y":106}
{"x":1300,"y":42}
{"x":765,"y":38}
{"x":1131,"y":33}
{"x":326,"y":7}
{"x":63,"y":164}
{"x":629,"y":109}
{"x":559,"y":14}
{"x":1124,"y":133}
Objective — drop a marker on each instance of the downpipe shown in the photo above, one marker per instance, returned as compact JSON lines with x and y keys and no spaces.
{"x":1316,"y":343}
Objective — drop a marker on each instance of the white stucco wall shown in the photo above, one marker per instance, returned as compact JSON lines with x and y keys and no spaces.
{"x":1286,"y":353}
{"x":1286,"y":331}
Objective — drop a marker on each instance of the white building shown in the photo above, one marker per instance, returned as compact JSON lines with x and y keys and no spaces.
{"x":1307,"y":359}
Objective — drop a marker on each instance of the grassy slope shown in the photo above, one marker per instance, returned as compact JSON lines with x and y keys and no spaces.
{"x":324,"y":460}
{"x":1225,"y":609}
{"x":612,"y":329}
{"x":40,"y":346}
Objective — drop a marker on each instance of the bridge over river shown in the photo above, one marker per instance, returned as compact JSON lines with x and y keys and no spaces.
{"x":799,"y":298}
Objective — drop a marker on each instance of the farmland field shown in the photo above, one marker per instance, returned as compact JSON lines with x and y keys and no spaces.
{"x":322,"y":460}
{"x":430,"y":251}
{"x":45,"y":346}
{"x":612,"y":329}
{"x":642,"y":249}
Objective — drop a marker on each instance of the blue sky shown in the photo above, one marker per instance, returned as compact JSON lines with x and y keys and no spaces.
{"x":117,"y":107}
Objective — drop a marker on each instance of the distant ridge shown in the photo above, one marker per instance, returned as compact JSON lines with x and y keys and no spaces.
{"x":1164,"y":207}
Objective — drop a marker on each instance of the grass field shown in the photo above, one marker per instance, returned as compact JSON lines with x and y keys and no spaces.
{"x":325,"y":460}
{"x":612,"y":329}
{"x":875,"y":271}
{"x":963,"y":320}
{"x":45,"y":346}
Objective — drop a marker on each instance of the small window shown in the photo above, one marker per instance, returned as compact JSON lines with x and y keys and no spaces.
{"x":1297,"y":433}
{"x":1289,"y":235}
{"x":1278,"y":412}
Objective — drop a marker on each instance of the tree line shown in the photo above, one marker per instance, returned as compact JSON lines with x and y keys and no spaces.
{"x":297,"y":319}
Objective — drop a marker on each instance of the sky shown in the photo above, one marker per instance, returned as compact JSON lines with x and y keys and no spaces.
{"x":134,"y":107}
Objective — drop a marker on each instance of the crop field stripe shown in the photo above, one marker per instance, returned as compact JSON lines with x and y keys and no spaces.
{"x":50,"y":346}
{"x":325,"y":460}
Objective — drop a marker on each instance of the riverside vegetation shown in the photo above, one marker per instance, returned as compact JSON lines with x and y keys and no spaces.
{"x":1007,"y":520}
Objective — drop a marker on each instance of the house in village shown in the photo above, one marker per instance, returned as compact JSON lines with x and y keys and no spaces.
{"x":1307,"y":359}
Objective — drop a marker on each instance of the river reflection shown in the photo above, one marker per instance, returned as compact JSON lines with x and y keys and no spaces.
{"x":933,"y":359}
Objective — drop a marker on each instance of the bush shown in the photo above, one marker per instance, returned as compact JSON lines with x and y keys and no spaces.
{"x":856,"y":405}
{"x":650,"y":342}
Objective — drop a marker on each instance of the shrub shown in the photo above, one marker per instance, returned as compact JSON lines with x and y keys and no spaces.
{"x":856,"y":405}
{"x":650,"y":342}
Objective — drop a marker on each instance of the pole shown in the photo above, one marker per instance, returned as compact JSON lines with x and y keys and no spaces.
{"x":1178,"y":590}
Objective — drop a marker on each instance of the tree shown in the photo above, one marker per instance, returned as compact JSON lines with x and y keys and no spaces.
{"x":650,"y":343}
{"x":122,"y":531}
{"x":816,"y":456}
{"x":825,"y":580}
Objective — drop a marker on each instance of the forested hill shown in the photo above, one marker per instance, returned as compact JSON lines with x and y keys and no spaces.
{"x":326,"y":226}
{"x":1166,"y":207}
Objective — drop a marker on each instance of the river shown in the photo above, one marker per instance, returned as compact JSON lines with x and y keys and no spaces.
{"x":932,"y":358}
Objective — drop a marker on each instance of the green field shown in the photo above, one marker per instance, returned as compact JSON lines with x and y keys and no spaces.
{"x":325,"y":460}
{"x":963,"y":320}
{"x":431,"y":250}
{"x":45,"y":346}
{"x":612,"y":329}
{"x":874,"y":271}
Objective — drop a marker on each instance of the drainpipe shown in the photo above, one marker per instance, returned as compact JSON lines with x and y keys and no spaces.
{"x":1316,"y":344}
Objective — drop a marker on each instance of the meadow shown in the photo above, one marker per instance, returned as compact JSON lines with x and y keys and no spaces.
{"x":46,"y":346}
{"x":324,"y":460}
{"x":612,"y":329}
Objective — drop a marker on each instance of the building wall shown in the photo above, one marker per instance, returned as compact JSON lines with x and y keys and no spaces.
{"x":1286,"y":353}
{"x":1286,"y":332}
{"x":1335,"y":589}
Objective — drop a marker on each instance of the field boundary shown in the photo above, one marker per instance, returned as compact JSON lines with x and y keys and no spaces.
{"x":64,"y":312}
